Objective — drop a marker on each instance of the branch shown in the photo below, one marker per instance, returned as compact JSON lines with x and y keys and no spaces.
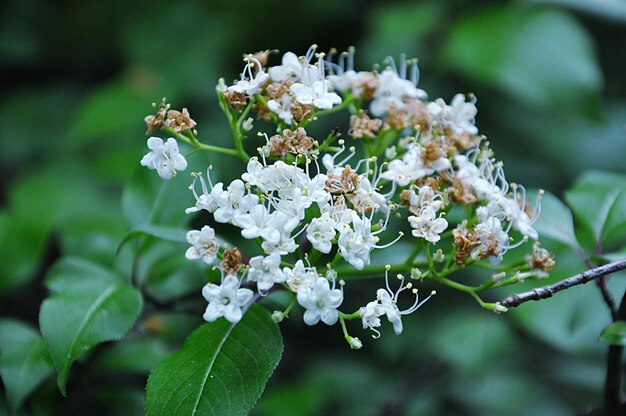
{"x":548,"y":291}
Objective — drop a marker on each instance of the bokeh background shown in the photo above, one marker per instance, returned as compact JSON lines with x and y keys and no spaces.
{"x":78,"y":77}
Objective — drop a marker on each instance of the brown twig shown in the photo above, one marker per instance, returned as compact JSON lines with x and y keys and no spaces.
{"x":548,"y":291}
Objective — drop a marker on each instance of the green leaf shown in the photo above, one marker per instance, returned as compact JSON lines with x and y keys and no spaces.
{"x":115,"y":107}
{"x":542,"y":57}
{"x":615,"y":334}
{"x":138,"y":355}
{"x":159,"y":231}
{"x":88,"y":305}
{"x":221,"y":370}
{"x":24,"y":360}
{"x":149,"y":199}
{"x":396,"y":29}
{"x":555,"y":221}
{"x":599,"y":204}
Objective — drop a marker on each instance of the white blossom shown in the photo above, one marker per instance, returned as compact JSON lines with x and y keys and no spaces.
{"x":317,"y":94}
{"x":321,"y":302}
{"x":265,"y":271}
{"x":204,"y":245}
{"x":427,"y":225}
{"x":320,"y":233}
{"x":164,"y":157}
{"x":226,"y":300}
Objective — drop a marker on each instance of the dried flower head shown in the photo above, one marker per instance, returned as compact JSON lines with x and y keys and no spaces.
{"x":180,"y":121}
{"x":540,"y":259}
{"x":236,"y":100}
{"x":231,"y":261}
{"x":156,"y":121}
{"x":363,"y":126}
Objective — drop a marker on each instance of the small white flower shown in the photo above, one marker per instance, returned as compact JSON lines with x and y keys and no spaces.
{"x":282,"y":108}
{"x":370,"y":315}
{"x":355,"y":244}
{"x":258,"y":223}
{"x":164,"y":157}
{"x":300,"y":278}
{"x":265,"y":271}
{"x":317,"y":94}
{"x":320,"y":233}
{"x":427,"y":225}
{"x":226,"y":300}
{"x":392,"y":91}
{"x":204,"y":245}
{"x":321,"y":303}
{"x":458,"y":116}
{"x":388,"y":305}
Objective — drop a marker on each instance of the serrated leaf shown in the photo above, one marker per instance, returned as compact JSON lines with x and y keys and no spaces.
{"x":221,"y":370}
{"x":88,"y":305}
{"x":615,"y":334}
{"x":159,"y":231}
{"x":598,"y":202}
{"x":555,"y":221}
{"x":24,"y":360}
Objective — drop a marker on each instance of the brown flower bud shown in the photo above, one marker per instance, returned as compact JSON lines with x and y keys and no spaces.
{"x":231,"y":261}
{"x":236,"y":100}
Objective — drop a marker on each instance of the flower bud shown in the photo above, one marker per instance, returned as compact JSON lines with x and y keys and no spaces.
{"x":354,"y":343}
{"x":277,"y":316}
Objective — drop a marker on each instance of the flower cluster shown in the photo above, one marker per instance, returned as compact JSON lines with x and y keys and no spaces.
{"x":319,"y":208}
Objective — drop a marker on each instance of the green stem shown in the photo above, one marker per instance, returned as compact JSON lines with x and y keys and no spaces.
{"x":201,"y":146}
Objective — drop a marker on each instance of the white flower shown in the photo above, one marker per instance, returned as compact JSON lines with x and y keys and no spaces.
{"x":258,"y":223}
{"x":282,"y":108}
{"x":204,"y":245}
{"x":317,"y":94}
{"x":392,"y":91}
{"x":370,"y":315}
{"x":493,"y":239}
{"x":265,"y":271}
{"x":234,"y":202}
{"x":388,"y":305}
{"x":254,"y":173}
{"x":320,"y":233}
{"x":355,"y":244}
{"x":164,"y":157}
{"x":299,"y":277}
{"x":320,"y":302}
{"x":458,"y":116}
{"x":225,"y":300}
{"x":426,"y":197}
{"x":412,"y":166}
{"x":251,"y":84}
{"x":427,"y":225}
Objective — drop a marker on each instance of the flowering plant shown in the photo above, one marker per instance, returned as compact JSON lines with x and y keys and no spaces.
{"x":403,"y":169}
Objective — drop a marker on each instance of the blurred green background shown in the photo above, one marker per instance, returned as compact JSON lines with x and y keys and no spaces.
{"x":78,"y":77}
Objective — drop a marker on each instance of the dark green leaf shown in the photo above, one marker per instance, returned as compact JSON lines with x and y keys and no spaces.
{"x":159,"y":231}
{"x":139,"y":355}
{"x":598,"y":202}
{"x":400,"y":29}
{"x":615,"y":334}
{"x":149,"y":199}
{"x":221,"y":370}
{"x":113,"y":108}
{"x":556,"y":221}
{"x":24,"y":360}
{"x":544,"y":58}
{"x":88,"y":305}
